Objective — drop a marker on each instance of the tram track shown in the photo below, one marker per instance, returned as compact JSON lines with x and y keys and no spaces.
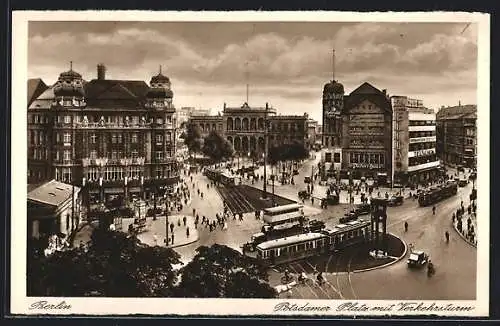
{"x":307,"y":285}
{"x":327,"y":283}
{"x":318,"y":286}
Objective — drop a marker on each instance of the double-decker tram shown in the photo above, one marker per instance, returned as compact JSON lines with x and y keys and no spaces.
{"x":310,"y":244}
{"x":438,"y":193}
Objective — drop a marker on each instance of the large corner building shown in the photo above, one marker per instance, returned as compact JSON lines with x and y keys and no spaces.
{"x":107,"y":136}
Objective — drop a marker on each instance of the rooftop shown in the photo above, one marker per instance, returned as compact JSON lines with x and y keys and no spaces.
{"x":52,"y":193}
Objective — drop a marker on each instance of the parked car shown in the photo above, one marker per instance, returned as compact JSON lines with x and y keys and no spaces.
{"x":348,"y":217}
{"x":307,"y":179}
{"x":417,"y":259}
{"x":462,"y":182}
{"x":395,"y":201}
{"x":316,"y":225}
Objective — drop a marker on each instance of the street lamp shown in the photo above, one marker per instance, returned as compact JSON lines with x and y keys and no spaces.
{"x":266,"y":145}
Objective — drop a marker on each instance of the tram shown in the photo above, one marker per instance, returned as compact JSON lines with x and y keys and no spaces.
{"x":219,"y":176}
{"x":436,"y":194}
{"x":310,"y":244}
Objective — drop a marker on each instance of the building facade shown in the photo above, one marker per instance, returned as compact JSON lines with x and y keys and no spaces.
{"x":108,"y":136}
{"x":457,"y":135}
{"x":245,"y":128}
{"x":414,"y":141}
{"x":366,"y":136}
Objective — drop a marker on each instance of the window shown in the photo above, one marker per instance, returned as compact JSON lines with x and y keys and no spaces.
{"x":41,"y":138}
{"x":58,"y":137}
{"x":67,"y":137}
{"x":159,"y":155}
{"x":168,"y":136}
{"x":93,"y":154}
{"x":119,"y":138}
{"x":158,"y":172}
{"x":67,"y":156}
{"x":159,"y":139}
{"x":135,"y":155}
{"x":135,"y":120}
{"x":67,"y":119}
{"x":93,"y":138}
{"x":134,"y":138}
{"x":113,"y":138}
{"x":114,"y":155}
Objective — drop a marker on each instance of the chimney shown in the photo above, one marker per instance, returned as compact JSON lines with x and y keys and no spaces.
{"x":101,"y":72}
{"x":224,"y":105}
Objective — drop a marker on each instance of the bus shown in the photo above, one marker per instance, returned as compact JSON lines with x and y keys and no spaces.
{"x":311,"y":244}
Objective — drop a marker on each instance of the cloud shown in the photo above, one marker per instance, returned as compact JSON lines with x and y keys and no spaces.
{"x":289,"y":62}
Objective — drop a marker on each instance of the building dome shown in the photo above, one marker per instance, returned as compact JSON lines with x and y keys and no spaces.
{"x":69,"y":83}
{"x":159,"y":79}
{"x":334,"y":87}
{"x":160,"y":93}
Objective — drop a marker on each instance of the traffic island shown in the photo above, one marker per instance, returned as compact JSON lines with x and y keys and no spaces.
{"x":353,"y":259}
{"x":155,"y":231}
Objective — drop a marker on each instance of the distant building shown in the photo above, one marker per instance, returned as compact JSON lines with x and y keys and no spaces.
{"x":457,"y":135}
{"x":53,"y":207}
{"x":244,"y":127}
{"x":414,"y":141}
{"x":313,"y":138}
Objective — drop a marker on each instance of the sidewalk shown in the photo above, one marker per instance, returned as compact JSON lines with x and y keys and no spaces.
{"x":156,"y":231}
{"x":463,"y":231}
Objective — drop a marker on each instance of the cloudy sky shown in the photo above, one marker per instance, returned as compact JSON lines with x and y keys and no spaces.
{"x":287,"y":63}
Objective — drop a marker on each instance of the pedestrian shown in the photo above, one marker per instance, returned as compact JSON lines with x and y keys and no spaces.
{"x":172,"y":239}
{"x":406,"y":226}
{"x":447,"y":236}
{"x":171,"y":227}
{"x":234,"y":216}
{"x":184,"y":219}
{"x":187,"y":232}
{"x":241,"y":216}
{"x":312,"y":200}
{"x":155,"y":239}
{"x":433,"y":210}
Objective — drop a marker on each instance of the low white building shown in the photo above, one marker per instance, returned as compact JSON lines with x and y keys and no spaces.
{"x":53,"y":208}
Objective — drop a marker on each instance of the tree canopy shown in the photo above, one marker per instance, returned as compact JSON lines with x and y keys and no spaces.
{"x":117,"y":265}
{"x":294,"y":151}
{"x":221,"y":272}
{"x":113,"y":265}
{"x":192,"y":137}
{"x":217,"y":147}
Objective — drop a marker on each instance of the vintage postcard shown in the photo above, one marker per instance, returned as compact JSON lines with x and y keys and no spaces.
{"x":250,"y":163}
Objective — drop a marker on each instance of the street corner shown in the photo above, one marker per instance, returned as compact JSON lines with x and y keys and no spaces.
{"x":181,"y":231}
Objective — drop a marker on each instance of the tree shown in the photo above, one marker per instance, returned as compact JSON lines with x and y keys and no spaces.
{"x":221,"y":272}
{"x":217,"y":147}
{"x":192,"y":137}
{"x":113,"y":265}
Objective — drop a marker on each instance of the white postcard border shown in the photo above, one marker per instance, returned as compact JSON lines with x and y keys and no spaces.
{"x":20,"y":304}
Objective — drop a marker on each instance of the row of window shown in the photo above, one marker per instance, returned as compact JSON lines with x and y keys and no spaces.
{"x":421,"y":146}
{"x":39,"y":153}
{"x":372,"y":158}
{"x":412,"y":161}
{"x":421,"y":122}
{"x":416,"y":134}
{"x":134,"y":172}
{"x":112,"y":120}
{"x":117,"y":155}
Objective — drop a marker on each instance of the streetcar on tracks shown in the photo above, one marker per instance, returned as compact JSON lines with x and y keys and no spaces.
{"x":311,"y":244}
{"x":219,"y":176}
{"x":438,"y":193}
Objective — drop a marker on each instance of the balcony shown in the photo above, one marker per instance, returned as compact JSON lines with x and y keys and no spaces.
{"x":423,"y":166}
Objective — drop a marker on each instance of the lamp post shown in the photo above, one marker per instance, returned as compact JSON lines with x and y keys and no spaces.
{"x":266,"y":145}
{"x":167,"y":239}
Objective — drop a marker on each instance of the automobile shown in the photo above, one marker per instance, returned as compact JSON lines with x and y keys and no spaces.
{"x":395,"y":201}
{"x":418,"y":258}
{"x":315,"y":225}
{"x":348,"y":217}
{"x":473,"y":176}
{"x":295,"y":172}
{"x":332,"y":199}
{"x":363,"y":209}
{"x":303,"y":194}
{"x":307,"y":179}
{"x":462,"y":182}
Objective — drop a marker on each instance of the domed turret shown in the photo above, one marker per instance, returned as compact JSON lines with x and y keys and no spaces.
{"x":334,"y":87}
{"x":69,"y":83}
{"x":159,"y":79}
{"x":159,"y":95}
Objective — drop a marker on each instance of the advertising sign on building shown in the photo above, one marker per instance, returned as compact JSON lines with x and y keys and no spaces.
{"x":422,"y":139}
{"x":424,"y":152}
{"x":366,"y":166}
